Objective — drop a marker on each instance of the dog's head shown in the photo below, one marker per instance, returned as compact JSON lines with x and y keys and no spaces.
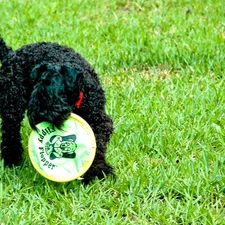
{"x":54,"y":89}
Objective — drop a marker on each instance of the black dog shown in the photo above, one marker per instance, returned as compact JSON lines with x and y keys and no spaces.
{"x":50,"y":81}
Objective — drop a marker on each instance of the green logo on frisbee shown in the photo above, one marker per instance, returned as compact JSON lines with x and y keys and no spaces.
{"x":61,"y":146}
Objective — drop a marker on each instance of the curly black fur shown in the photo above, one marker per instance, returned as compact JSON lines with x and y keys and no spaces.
{"x":46,"y":79}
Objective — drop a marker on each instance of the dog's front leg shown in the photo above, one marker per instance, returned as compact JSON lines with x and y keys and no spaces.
{"x":103,"y":128}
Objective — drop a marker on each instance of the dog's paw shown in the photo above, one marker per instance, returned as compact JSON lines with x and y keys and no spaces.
{"x":10,"y":161}
{"x":108,"y":170}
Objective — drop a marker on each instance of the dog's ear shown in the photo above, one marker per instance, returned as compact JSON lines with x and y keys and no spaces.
{"x":73,"y":77}
{"x":37,"y":72}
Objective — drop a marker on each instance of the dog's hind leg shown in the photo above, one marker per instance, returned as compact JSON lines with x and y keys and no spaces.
{"x":12,"y":114}
{"x":11,"y":146}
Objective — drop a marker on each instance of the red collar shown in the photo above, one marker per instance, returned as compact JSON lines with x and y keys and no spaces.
{"x":81,"y":95}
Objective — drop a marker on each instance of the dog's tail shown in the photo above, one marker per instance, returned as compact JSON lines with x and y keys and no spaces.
{"x":4,"y":49}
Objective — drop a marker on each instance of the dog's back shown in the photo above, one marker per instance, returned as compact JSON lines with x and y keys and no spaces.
{"x":32,"y":54}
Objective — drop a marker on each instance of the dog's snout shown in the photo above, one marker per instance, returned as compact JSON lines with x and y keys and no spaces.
{"x":45,"y":79}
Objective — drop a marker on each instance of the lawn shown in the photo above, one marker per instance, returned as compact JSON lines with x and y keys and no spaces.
{"x":162,"y":66}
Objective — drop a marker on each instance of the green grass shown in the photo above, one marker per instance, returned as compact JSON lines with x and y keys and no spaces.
{"x":162,"y":66}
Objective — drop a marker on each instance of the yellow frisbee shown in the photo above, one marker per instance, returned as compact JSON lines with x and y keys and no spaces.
{"x":62,"y":155}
